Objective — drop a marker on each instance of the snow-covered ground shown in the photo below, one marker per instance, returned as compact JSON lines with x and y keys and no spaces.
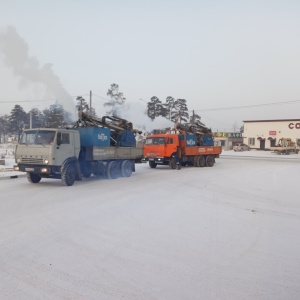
{"x":226,"y":232}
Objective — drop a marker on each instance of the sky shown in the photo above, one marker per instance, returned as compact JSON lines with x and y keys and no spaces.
{"x":231,"y":60}
{"x":226,"y":232}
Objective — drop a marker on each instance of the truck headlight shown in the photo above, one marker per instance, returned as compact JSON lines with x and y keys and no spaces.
{"x":46,"y":161}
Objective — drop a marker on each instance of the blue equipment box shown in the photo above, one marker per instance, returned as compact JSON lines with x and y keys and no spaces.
{"x":190,"y":140}
{"x":208,"y":140}
{"x":94,"y":136}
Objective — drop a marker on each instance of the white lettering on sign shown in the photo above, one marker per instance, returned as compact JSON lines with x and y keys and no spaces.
{"x":190,"y":142}
{"x":102,"y":137}
{"x":207,"y":149}
{"x":294,"y":125}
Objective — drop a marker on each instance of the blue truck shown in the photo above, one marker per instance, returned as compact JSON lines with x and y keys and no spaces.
{"x":93,"y":146}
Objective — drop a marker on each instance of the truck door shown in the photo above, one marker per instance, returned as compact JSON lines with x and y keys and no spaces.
{"x":65,"y":146}
{"x":172,"y":143}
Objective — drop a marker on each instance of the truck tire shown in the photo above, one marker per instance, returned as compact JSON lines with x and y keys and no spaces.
{"x":195,"y":161}
{"x":210,"y":160}
{"x":68,"y":175}
{"x":112,"y":170}
{"x":86,"y":169}
{"x":99,"y":169}
{"x":33,"y":178}
{"x":172,"y":163}
{"x":201,"y":161}
{"x":152,"y":164}
{"x":126,"y":168}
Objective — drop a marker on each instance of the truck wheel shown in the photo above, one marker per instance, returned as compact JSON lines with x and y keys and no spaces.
{"x":68,"y":175}
{"x":152,"y":164}
{"x":201,"y":161}
{"x":86,"y":169}
{"x":99,"y":169}
{"x":126,"y":168}
{"x":195,"y":161}
{"x":33,"y":178}
{"x":210,"y":160}
{"x":172,"y":163}
{"x":112,"y":170}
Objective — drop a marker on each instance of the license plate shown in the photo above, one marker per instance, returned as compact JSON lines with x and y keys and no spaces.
{"x":29,"y":169}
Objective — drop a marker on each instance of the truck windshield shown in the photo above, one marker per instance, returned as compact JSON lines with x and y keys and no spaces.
{"x":155,"y":141}
{"x":37,"y":137}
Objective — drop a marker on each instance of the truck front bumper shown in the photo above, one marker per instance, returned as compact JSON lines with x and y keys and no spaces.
{"x":157,"y":160}
{"x":40,"y":169}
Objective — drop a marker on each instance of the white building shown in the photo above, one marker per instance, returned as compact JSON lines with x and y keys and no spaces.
{"x":263,"y":134}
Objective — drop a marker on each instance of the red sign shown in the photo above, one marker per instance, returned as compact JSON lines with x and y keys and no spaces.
{"x":272,"y":132}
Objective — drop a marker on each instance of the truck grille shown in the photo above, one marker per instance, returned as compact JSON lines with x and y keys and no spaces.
{"x":32,"y":160}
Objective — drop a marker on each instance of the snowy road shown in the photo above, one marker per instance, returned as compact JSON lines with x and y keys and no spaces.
{"x":227,"y":232}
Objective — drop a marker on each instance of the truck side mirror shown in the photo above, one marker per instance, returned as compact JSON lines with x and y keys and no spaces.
{"x":58,"y":140}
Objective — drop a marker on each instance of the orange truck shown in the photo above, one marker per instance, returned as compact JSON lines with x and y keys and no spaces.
{"x":179,"y":146}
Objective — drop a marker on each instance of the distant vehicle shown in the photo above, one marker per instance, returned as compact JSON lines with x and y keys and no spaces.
{"x":241,"y":147}
{"x":285,"y":146}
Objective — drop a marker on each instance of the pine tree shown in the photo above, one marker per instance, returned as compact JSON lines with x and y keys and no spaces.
{"x":18,"y":120}
{"x":116,"y":101}
{"x":55,"y":116}
{"x":154,"y":108}
{"x":81,"y":103}
{"x":181,"y":111}
{"x":194,"y":118}
{"x":169,"y":106}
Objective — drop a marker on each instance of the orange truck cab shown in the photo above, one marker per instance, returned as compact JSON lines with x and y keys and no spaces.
{"x":192,"y":149}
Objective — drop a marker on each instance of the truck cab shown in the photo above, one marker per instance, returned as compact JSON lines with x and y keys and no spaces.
{"x":43,"y":152}
{"x":162,"y":149}
{"x":160,"y":146}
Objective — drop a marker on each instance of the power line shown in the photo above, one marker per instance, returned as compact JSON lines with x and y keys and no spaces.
{"x":249,"y":106}
{"x":100,"y":97}
{"x":28,"y":101}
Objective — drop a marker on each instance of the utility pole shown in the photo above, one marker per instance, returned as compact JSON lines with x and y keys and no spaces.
{"x":90,"y":100}
{"x":30,"y":119}
{"x":193,"y":117}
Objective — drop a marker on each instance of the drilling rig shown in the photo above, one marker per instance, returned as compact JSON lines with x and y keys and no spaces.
{"x":187,"y":144}
{"x":93,"y":146}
